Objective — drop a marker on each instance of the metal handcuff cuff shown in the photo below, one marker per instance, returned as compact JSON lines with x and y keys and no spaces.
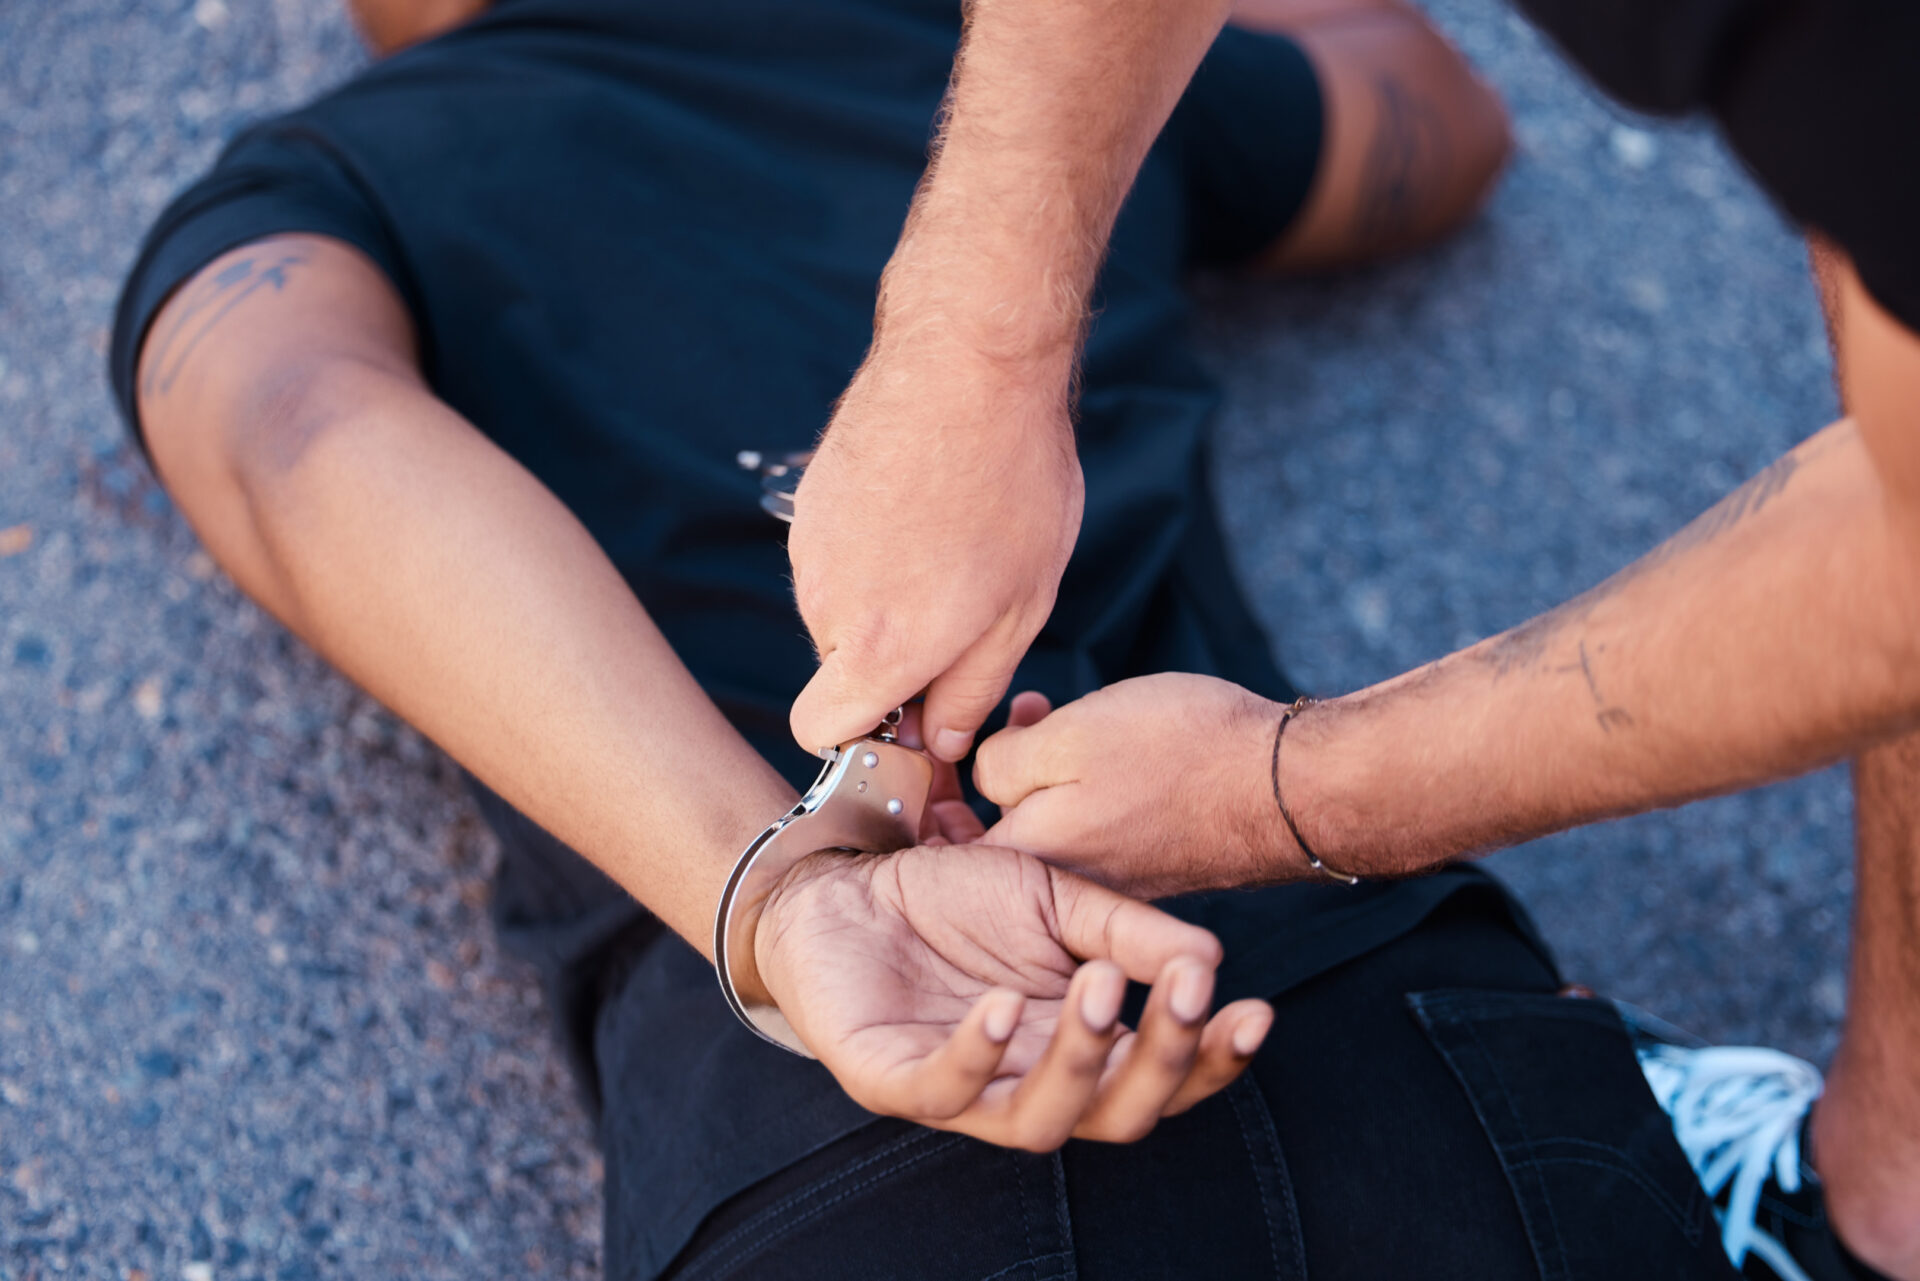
{"x":869,"y":799}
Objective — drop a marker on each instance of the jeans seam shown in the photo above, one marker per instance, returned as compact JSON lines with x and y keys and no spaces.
{"x":1284,"y":1194}
{"x":1063,"y":1219}
{"x":1012,"y":1268}
{"x":765,"y":1213}
{"x":1683,"y":1215}
{"x":1544,"y":1197}
{"x":1026,"y":1211}
{"x":1633,"y":1173}
{"x":776,"y":1230}
{"x":1235,"y":1097}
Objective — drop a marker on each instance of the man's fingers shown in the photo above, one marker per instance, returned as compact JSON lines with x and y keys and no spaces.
{"x":1160,"y":1058}
{"x":1095,"y":922}
{"x":842,"y":702}
{"x":1029,"y":707}
{"x":1231,"y":1039}
{"x":1041,"y":1113}
{"x":957,"y":822}
{"x":960,"y":699}
{"x":948,"y":1081}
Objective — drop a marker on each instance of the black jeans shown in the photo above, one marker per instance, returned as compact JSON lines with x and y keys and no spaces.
{"x":1432,"y":1110}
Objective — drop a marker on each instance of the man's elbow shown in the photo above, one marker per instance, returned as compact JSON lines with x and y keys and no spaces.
{"x":248,"y":463}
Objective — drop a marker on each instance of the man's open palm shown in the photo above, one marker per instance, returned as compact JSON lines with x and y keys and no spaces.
{"x":975,"y":989}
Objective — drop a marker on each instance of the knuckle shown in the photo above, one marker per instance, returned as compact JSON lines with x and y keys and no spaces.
{"x":1060,"y":749}
{"x":1173,"y":1060}
{"x":874,"y":1098}
{"x":1037,"y":1136}
{"x":871,"y":638}
{"x":936,"y":1104}
{"x":1130,"y":1130}
{"x":989,"y":758}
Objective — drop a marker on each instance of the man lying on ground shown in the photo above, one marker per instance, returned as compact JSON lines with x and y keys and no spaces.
{"x":449,"y":370}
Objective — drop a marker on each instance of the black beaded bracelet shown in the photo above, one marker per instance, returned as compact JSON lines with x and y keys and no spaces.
{"x":1299,"y":705}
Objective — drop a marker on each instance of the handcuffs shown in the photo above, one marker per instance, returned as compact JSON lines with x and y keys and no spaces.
{"x":869,"y":799}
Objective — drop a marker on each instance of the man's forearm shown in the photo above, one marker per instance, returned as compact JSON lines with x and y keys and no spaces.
{"x":444,"y":579}
{"x":1052,"y":109}
{"x":1775,"y":634}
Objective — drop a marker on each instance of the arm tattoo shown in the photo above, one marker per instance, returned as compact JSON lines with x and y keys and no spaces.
{"x":1609,"y":716}
{"x":211,"y":303}
{"x":1523,"y":648}
{"x":1409,"y":146}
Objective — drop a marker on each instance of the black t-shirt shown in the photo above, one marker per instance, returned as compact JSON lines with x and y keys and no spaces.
{"x":637,"y":238}
{"x":1820,"y":98}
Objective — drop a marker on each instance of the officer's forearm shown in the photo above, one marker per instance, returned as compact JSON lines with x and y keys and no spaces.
{"x":1052,"y":109}
{"x":1777,"y":633}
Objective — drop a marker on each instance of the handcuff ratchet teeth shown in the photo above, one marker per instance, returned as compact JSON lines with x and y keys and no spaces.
{"x":869,"y":799}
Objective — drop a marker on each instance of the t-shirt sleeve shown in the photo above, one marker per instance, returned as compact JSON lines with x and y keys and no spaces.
{"x":1819,"y":98}
{"x":272,"y":180}
{"x":1248,"y":132}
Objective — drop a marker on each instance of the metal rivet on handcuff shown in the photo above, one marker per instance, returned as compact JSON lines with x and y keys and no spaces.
{"x":839,"y":813}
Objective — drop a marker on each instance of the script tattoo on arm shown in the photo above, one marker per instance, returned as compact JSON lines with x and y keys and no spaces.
{"x":213,"y":301}
{"x":1523,"y":648}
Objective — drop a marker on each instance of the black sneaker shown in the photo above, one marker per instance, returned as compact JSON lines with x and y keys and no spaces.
{"x":1740,"y":1114}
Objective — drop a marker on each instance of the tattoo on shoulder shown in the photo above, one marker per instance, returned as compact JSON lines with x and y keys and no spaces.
{"x":1523,"y":648}
{"x":212,"y":300}
{"x":1409,"y":145}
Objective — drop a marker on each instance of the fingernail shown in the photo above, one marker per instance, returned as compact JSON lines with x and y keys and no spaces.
{"x":951,"y":744}
{"x":1251,"y":1032}
{"x":1000,"y":1019}
{"x":1100,"y":1006}
{"x":1192,"y":991}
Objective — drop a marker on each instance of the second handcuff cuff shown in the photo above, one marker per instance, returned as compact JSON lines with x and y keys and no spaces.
{"x":869,"y":799}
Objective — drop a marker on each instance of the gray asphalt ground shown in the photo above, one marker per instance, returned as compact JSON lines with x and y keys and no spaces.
{"x":252,"y":1022}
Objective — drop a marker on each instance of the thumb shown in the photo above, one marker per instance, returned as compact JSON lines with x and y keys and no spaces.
{"x":961,"y":698}
{"x":840,"y":703}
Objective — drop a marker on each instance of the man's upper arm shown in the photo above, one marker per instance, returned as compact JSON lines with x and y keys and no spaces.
{"x":248,"y":360}
{"x":253,"y":330}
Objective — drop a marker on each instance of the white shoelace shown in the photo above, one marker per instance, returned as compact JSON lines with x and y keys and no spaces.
{"x":1737,"y":1111}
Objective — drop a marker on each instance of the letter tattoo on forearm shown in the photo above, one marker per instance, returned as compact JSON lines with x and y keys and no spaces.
{"x":1524,"y":648}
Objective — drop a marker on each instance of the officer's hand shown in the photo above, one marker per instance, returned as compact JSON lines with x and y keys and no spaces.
{"x":930,"y":532}
{"x":1155,"y":786}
